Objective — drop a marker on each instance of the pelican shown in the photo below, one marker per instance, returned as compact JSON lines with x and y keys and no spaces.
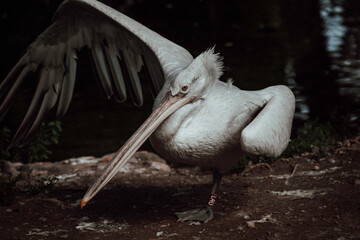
{"x":197,"y":119}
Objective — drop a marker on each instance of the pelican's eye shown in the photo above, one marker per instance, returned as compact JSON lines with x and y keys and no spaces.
{"x":185,"y":89}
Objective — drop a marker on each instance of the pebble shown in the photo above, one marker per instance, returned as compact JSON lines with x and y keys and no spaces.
{"x":158,"y":234}
{"x":357,"y":181}
{"x":250,"y":224}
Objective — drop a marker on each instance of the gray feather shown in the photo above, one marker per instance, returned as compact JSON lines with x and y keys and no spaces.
{"x":48,"y":103}
{"x":102,"y":70}
{"x":117,"y":77}
{"x":11,"y":77}
{"x":68,"y":84}
{"x":134,"y":81}
{"x":15,"y":88}
{"x":33,"y":109}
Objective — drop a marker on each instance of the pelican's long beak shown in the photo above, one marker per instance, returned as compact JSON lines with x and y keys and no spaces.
{"x":167,"y":106}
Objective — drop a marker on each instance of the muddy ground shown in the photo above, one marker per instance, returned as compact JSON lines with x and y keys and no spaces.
{"x":306,"y":197}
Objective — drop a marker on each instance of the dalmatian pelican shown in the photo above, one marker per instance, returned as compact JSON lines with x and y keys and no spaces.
{"x":197,"y":119}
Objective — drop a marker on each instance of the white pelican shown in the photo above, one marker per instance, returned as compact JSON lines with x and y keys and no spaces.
{"x":196,"y":119}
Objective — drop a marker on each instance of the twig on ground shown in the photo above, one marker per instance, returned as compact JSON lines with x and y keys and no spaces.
{"x":294,"y":170}
{"x":255,"y":166}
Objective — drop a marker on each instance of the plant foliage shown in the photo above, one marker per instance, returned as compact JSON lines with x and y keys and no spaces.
{"x":38,"y":149}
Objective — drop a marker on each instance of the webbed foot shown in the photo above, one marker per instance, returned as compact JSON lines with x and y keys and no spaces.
{"x":200,"y":214}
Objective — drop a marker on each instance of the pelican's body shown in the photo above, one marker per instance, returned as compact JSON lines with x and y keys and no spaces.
{"x":190,"y":136}
{"x":197,"y":119}
{"x":209,"y":131}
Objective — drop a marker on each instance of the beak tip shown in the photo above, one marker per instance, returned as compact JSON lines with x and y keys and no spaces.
{"x":83,"y":202}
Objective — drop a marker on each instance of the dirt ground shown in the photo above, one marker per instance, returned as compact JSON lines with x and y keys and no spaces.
{"x":305,"y":197}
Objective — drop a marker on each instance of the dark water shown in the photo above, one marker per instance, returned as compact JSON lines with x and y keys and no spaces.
{"x":312,"y":46}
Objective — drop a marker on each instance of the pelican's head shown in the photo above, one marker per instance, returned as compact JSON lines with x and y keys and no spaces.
{"x":199,"y":76}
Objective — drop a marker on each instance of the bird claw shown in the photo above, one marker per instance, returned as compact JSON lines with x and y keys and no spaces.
{"x":199,"y":214}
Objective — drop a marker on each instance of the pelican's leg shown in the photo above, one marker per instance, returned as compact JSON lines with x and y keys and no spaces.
{"x":203,"y":213}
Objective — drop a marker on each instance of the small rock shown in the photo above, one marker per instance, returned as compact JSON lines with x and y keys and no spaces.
{"x":250,"y":224}
{"x":332,"y":160}
{"x":158,"y":234}
{"x":316,"y":168}
{"x":357,"y":182}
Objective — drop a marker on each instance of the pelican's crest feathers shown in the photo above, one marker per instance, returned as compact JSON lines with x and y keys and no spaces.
{"x":212,"y":63}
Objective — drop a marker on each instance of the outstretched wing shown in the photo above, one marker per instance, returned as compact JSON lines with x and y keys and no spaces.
{"x":269,"y":132}
{"x":119,"y":47}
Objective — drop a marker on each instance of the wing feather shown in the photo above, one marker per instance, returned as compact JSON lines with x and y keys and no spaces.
{"x":45,"y":98}
{"x":102,"y":69}
{"x":269,"y":132}
{"x":132,"y":64}
{"x":117,"y":78}
{"x":68,"y":84}
{"x":33,"y":109}
{"x":15,"y":88}
{"x":119,"y":47}
{"x":48,"y":103}
{"x":10,"y":79}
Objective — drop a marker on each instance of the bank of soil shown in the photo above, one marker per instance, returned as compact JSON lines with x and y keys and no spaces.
{"x":306,"y":197}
